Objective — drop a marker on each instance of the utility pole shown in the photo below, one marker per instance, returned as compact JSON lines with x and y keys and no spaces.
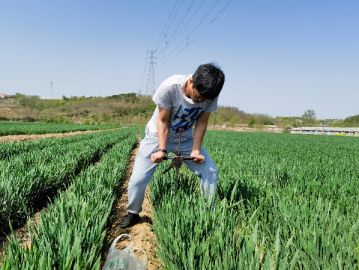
{"x":150,"y":87}
{"x":52,"y":89}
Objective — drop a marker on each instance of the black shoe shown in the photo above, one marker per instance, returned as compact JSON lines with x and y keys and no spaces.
{"x":129,"y":220}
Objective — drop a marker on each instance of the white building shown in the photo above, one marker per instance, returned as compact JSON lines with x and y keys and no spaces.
{"x":343,"y":131}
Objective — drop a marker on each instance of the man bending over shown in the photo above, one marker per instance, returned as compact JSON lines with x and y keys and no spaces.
{"x":182,"y":101}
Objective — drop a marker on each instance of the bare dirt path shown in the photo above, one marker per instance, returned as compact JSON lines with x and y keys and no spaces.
{"x":32,"y":137}
{"x":142,"y":233}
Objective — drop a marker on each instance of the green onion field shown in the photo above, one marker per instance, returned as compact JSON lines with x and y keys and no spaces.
{"x":283,"y":201}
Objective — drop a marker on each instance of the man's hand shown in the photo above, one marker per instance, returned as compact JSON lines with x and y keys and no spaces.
{"x":158,"y":157}
{"x":198,"y":158}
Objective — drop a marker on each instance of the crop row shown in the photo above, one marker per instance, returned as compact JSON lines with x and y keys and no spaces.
{"x":283,"y":201}
{"x":306,"y":186}
{"x":26,"y":179}
{"x":72,"y":229}
{"x":9,"y":149}
{"x":194,"y":234}
{"x":18,"y":128}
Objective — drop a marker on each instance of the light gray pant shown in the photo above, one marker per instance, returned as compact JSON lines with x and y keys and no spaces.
{"x":144,"y":169}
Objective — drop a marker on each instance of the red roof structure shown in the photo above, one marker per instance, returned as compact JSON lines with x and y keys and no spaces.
{"x":4,"y":96}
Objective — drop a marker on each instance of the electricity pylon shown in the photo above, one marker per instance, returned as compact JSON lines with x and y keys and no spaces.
{"x":150,"y":87}
{"x":52,"y":89}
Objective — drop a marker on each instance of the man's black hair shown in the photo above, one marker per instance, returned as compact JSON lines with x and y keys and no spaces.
{"x":208,"y":80}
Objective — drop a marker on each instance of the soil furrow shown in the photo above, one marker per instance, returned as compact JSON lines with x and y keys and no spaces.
{"x":142,"y":232}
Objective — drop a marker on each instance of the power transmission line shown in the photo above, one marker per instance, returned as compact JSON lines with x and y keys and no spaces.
{"x":188,"y":36}
{"x":194,"y":29}
{"x":158,"y":19}
{"x":163,"y":34}
{"x":170,"y":35}
{"x":169,"y":26}
{"x":145,"y":65}
{"x":150,"y":86}
{"x":168,"y":42}
{"x":223,"y":9}
{"x":154,"y":46}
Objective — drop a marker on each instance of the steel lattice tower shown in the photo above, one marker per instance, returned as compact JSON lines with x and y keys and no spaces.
{"x":52,"y":89}
{"x":150,"y":87}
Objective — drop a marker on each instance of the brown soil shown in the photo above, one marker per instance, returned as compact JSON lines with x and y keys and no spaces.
{"x":142,"y":233}
{"x":15,"y":138}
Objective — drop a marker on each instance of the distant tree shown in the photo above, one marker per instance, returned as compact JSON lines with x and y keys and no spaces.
{"x":96,"y":117}
{"x":352,"y":121}
{"x":251,"y":123}
{"x":129,"y":98}
{"x":263,"y":119}
{"x":59,"y":119}
{"x":106,"y":118}
{"x":231,"y":115}
{"x":287,"y":129}
{"x":309,"y":117}
{"x":288,"y":121}
{"x":214,"y":119}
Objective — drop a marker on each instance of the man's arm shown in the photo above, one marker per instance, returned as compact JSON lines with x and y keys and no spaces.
{"x":162,"y":132}
{"x":198,"y":134}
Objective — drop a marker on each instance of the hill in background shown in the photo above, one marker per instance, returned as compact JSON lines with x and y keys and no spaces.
{"x":132,"y":109}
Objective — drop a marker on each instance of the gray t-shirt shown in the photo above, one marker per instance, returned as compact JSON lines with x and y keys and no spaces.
{"x":184,"y":112}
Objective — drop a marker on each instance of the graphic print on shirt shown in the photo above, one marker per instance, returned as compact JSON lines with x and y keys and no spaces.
{"x":185,"y":118}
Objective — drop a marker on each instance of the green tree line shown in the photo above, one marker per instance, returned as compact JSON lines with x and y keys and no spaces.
{"x":131,"y":108}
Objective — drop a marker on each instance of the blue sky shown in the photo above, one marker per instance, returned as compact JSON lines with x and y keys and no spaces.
{"x":280,"y":57}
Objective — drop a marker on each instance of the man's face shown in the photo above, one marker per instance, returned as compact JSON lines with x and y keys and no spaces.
{"x":196,"y":97}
